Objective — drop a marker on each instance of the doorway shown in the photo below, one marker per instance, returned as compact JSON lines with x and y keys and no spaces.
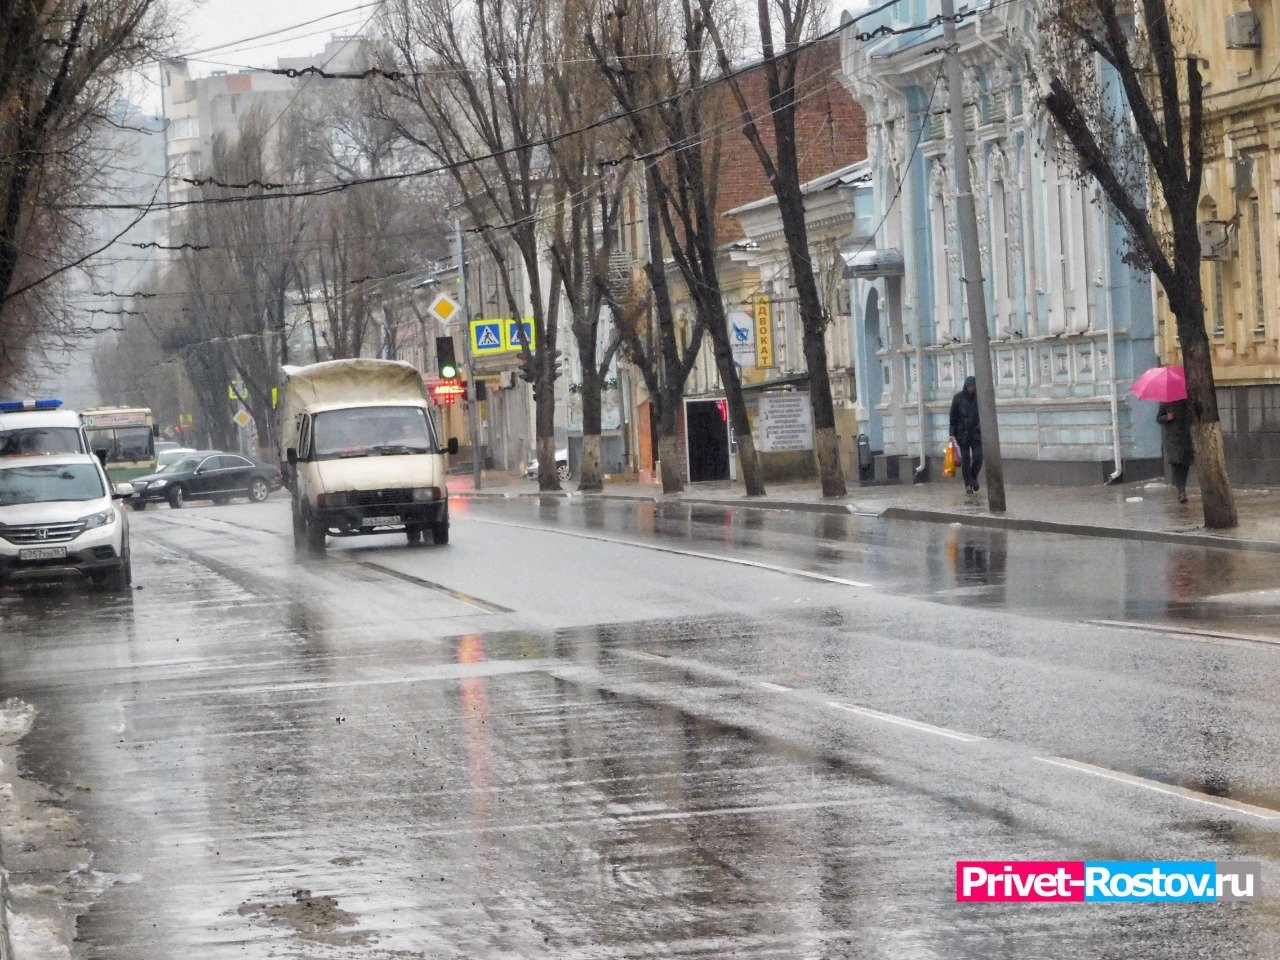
{"x":872,"y":386}
{"x":707,"y":437}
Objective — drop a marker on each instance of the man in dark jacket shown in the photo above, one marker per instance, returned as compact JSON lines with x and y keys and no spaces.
{"x":966,"y":432}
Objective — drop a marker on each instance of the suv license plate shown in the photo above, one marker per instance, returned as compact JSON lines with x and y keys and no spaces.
{"x":43,"y":553}
{"x":382,"y":521}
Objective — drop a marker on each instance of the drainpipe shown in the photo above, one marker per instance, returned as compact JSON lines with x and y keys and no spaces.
{"x":1117,"y":475}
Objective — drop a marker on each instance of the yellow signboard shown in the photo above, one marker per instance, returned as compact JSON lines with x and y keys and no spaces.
{"x":764,"y":330}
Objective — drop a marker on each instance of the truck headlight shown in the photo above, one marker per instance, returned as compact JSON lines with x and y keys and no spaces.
{"x":95,"y":520}
{"x":425,"y":494}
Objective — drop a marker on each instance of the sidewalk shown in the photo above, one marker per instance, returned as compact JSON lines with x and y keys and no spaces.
{"x":1136,"y":511}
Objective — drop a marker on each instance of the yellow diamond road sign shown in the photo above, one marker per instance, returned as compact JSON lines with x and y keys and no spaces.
{"x":443,"y":307}
{"x":242,"y":418}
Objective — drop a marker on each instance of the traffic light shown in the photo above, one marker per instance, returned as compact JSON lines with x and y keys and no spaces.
{"x":446,"y":360}
{"x":525,"y":370}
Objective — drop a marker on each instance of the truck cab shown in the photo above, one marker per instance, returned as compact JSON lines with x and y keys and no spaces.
{"x":360,"y":453}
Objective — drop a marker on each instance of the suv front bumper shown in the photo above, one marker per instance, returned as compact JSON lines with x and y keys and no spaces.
{"x":94,"y":551}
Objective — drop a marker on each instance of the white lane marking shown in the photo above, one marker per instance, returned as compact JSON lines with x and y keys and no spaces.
{"x":1168,"y":789}
{"x":695,"y":554}
{"x":1190,"y":632}
{"x":904,"y":722}
{"x":647,"y":655}
{"x":777,"y":687}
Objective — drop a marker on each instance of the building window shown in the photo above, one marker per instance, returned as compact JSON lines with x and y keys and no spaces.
{"x":1219,"y":300}
{"x":1255,"y":227}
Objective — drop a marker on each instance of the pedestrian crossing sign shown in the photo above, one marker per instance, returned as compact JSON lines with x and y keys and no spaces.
{"x":486,"y":337}
{"x":518,"y":332}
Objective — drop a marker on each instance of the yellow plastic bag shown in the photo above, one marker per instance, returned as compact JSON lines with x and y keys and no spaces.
{"x":949,"y":461}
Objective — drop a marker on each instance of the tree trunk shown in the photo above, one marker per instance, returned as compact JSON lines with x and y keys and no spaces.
{"x":669,"y":460}
{"x":813,"y":321}
{"x":589,"y":476}
{"x":544,"y":414}
{"x":1216,"y":497}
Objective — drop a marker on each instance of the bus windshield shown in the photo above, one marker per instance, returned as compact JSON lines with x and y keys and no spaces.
{"x":372,"y":432}
{"x":35,"y":441}
{"x":124,"y":444}
{"x":45,"y":483}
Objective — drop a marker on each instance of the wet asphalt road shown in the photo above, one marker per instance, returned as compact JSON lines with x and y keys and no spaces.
{"x":608,"y":730}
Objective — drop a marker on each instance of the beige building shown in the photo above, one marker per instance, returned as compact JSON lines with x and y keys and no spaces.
{"x":1239,"y":47}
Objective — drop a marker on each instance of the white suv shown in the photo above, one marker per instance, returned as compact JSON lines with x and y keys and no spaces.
{"x":59,"y":518}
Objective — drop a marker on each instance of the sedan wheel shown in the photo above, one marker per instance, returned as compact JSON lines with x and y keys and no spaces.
{"x":562,"y":471}
{"x":258,"y":490}
{"x":177,"y":497}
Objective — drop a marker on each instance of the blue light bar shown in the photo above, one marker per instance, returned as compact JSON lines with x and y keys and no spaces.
{"x":12,"y":406}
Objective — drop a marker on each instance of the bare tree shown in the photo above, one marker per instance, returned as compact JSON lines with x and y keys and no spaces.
{"x":474,"y":94}
{"x":1092,"y":46}
{"x":654,"y":59}
{"x":59,"y":64}
{"x":785,"y":29}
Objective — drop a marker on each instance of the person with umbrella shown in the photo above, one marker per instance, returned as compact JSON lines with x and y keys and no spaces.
{"x":1168,"y":386}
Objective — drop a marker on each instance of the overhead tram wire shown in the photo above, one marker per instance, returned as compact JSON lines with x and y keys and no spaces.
{"x":226,"y":47}
{"x":545,"y":141}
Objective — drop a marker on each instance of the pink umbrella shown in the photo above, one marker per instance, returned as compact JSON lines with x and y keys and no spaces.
{"x":1162,"y":384}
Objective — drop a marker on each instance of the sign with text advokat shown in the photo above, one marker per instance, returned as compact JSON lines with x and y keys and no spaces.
{"x":762,"y":304}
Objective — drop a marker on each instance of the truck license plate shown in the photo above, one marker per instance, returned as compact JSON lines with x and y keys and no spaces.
{"x":43,"y":553}
{"x":382,"y":521}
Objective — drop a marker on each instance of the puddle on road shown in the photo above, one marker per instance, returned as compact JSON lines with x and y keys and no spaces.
{"x":318,"y":919}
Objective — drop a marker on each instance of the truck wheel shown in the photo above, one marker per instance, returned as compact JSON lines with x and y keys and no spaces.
{"x":316,"y":534}
{"x":440,"y":533}
{"x":299,"y":529}
{"x":177,"y":497}
{"x":414,"y":534}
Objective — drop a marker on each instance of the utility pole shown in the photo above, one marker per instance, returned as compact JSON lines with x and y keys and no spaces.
{"x":473,"y":410}
{"x":971,"y":266}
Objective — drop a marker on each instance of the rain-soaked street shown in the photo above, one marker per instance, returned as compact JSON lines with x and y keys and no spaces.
{"x":600,"y":729}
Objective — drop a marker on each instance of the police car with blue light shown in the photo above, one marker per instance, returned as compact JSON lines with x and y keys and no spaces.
{"x":39,"y":427}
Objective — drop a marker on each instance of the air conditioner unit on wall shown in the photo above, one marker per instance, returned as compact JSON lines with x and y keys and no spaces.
{"x":1215,"y":239}
{"x":1244,"y":31}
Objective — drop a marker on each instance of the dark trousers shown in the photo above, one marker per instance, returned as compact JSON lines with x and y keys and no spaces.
{"x":1180,"y":471}
{"x":970,"y":460}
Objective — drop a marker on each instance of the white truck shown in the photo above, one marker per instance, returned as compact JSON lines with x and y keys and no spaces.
{"x":360,"y":454}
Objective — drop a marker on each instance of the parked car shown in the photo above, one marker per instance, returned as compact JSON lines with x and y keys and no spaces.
{"x":206,"y":475}
{"x":562,"y":465}
{"x":59,"y":519}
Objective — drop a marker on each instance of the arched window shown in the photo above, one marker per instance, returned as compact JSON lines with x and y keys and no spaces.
{"x":938,"y":240}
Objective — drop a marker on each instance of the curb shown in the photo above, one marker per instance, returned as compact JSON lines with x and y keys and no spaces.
{"x":1081,"y":529}
{"x":798,"y":506}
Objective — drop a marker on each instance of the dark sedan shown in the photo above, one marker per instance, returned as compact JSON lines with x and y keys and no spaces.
{"x":206,"y":475}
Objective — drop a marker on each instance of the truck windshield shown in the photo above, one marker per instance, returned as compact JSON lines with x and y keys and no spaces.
{"x":372,"y":432}
{"x":44,"y":483}
{"x":37,"y":441}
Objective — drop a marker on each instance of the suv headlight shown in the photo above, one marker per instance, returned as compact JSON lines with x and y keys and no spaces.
{"x":95,"y":520}
{"x":425,"y":494}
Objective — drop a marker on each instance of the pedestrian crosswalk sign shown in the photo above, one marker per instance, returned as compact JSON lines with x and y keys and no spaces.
{"x":519,"y":332}
{"x":486,"y":337}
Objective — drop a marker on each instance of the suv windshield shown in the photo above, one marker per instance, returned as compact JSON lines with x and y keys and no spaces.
{"x":372,"y":432}
{"x":46,"y":482}
{"x":34,"y":441}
